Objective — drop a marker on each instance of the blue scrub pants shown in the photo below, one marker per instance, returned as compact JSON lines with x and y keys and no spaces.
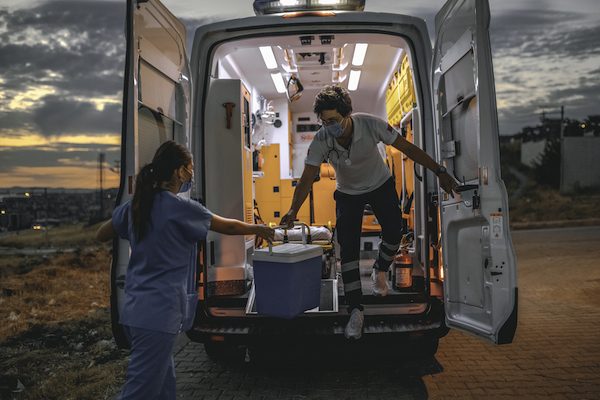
{"x":151,"y":371}
{"x":349,"y":217}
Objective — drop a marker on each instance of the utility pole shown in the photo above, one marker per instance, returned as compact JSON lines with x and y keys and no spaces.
{"x":46,"y":212}
{"x":100,"y":179}
{"x":117,"y":168}
{"x":562,"y":147}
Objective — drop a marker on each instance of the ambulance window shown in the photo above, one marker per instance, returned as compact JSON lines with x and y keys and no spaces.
{"x":154,"y":129}
{"x":459,"y":106}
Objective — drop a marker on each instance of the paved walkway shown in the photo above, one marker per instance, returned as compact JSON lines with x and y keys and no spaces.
{"x":555,"y":353}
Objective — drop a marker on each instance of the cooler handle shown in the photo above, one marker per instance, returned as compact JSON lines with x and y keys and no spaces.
{"x":285,"y":228}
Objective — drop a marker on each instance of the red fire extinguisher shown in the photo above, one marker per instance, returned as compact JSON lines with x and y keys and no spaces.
{"x":402,"y":277}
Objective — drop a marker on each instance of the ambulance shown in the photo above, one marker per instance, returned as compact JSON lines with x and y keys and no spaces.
{"x":241,"y":102}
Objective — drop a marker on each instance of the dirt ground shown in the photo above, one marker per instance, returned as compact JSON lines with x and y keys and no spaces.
{"x":55,"y":333}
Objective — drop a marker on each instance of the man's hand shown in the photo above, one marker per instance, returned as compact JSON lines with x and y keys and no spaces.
{"x":448,"y":183}
{"x":288,"y":219}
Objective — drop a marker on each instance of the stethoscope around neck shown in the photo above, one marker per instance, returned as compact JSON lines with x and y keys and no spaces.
{"x":332,"y":149}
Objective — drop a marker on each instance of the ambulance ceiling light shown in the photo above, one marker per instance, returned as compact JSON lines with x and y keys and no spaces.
{"x":354,"y":78}
{"x":262,"y":7}
{"x":278,"y":81}
{"x":268,"y":56}
{"x":360,"y":51}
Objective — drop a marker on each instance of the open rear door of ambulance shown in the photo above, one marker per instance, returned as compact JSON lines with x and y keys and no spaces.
{"x":156,"y":108}
{"x":480,"y":268}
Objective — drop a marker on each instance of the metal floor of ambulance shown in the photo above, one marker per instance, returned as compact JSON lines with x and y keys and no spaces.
{"x":366,"y":269}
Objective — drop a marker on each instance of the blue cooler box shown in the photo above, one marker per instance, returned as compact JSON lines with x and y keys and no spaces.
{"x":288,"y":281}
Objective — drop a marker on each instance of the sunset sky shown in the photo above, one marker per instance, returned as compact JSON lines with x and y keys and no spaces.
{"x":61,"y":74}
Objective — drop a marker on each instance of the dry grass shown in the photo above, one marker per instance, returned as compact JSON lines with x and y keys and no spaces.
{"x":57,"y":288}
{"x":539,"y":203}
{"x":55,"y":334}
{"x":67,"y":236}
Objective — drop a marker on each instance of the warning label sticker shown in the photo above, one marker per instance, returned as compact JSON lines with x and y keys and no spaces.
{"x":496,"y":225}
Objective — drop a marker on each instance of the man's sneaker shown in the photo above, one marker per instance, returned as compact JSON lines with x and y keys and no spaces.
{"x":380,"y":287}
{"x":355,"y":325}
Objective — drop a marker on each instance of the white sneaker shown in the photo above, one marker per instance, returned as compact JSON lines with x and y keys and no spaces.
{"x":354,"y":327}
{"x":380,"y":287}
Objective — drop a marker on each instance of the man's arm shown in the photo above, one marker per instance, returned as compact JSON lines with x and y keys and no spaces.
{"x":300,"y":193}
{"x":447,"y":182}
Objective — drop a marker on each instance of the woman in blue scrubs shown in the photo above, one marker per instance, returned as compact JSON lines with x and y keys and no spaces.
{"x":160,"y":292}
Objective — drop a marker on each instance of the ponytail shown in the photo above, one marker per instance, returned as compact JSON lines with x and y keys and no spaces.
{"x":143,"y":199}
{"x":169,"y":157}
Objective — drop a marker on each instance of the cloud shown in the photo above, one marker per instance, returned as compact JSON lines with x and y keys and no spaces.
{"x":59,"y":116}
{"x":70,"y":49}
{"x":534,"y":33}
{"x":56,"y":155}
{"x":13,"y":120}
{"x":544,"y":58}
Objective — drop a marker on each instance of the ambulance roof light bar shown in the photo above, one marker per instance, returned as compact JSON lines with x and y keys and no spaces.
{"x":264,"y":7}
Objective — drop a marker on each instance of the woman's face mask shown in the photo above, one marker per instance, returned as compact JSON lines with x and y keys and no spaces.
{"x":185,"y":186}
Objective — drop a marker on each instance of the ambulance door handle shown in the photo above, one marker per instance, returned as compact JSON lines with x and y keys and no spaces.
{"x":229,"y":113}
{"x":212,"y":253}
{"x":120,"y":282}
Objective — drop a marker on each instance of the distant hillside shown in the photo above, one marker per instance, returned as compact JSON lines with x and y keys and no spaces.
{"x":22,"y":189}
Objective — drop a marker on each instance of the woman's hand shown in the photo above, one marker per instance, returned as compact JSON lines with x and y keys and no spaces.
{"x":265,"y":232}
{"x":229,"y":226}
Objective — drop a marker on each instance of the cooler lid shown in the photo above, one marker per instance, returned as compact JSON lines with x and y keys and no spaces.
{"x":289,"y":253}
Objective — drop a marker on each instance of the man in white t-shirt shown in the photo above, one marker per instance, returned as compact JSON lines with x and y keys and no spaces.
{"x":349,"y":143}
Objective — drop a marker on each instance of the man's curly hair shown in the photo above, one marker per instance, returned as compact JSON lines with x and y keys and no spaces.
{"x":333,"y":98}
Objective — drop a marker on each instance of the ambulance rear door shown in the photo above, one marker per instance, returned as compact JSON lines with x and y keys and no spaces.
{"x":480,"y":270}
{"x":156,"y":108}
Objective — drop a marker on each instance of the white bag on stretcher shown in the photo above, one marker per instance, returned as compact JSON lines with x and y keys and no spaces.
{"x":295,"y":234}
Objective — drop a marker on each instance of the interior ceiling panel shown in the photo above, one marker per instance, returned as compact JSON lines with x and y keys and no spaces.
{"x":313,"y":66}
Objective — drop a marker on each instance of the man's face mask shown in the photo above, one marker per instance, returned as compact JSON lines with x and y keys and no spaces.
{"x":335,"y":130}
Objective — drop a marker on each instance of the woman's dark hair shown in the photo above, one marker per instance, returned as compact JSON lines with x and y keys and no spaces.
{"x":333,"y":98}
{"x":169,"y":157}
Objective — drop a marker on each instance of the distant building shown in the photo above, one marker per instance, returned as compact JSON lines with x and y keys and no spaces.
{"x":22,"y":208}
{"x":580,"y":163}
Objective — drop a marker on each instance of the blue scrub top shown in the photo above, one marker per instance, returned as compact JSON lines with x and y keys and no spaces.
{"x":160,"y":289}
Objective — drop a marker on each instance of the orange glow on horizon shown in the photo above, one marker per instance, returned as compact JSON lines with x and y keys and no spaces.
{"x":69,"y":177}
{"x":27,"y":140}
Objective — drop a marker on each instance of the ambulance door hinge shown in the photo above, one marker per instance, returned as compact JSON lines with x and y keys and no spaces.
{"x":476,"y":201}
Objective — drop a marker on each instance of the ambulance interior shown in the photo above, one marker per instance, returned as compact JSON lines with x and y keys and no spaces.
{"x":278,"y":78}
